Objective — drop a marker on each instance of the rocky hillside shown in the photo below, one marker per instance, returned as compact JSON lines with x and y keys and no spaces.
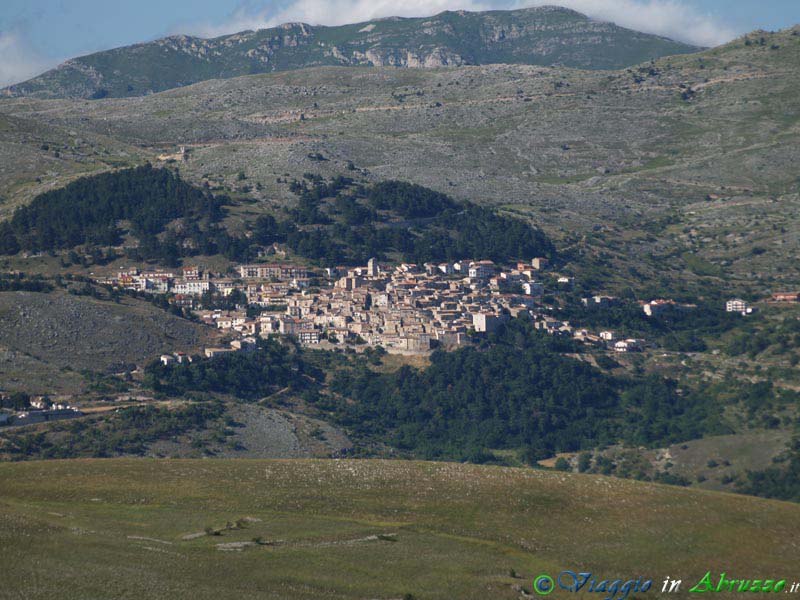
{"x":47,"y":339}
{"x":548,"y":36}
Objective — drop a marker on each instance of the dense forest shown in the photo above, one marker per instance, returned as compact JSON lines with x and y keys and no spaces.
{"x":247,"y":376}
{"x":516,"y":392}
{"x":335,"y":222}
{"x":394,"y":217}
{"x":88,"y":210}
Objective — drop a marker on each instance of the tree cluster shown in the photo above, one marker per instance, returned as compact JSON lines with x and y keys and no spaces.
{"x":89,"y":211}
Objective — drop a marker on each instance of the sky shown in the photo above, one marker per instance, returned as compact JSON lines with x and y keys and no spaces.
{"x":36,"y":35}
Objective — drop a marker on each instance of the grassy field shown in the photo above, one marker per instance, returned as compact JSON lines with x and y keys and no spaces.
{"x":361,"y":529}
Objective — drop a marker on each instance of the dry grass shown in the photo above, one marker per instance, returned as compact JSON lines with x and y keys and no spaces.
{"x":82,"y":529}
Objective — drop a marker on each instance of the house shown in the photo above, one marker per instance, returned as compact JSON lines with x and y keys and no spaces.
{"x":408,"y":268}
{"x":656,"y":307}
{"x":192,"y":287}
{"x":157,"y":284}
{"x":452,"y":338}
{"x":290,"y":326}
{"x":167,"y":359}
{"x":183,"y":301}
{"x":412,"y":343}
{"x":215,"y":352}
{"x":246,"y":345}
{"x":225,"y":287}
{"x":567,"y":282}
{"x":250,"y":328}
{"x":607,"y":336}
{"x":598,"y":301}
{"x":786,"y":297}
{"x":540,"y":264}
{"x":191,"y":273}
{"x":279,"y":272}
{"x":485,"y":322}
{"x":629,"y":345}
{"x":481,"y":270}
{"x":350,"y":283}
{"x":584,"y":336}
{"x":533,"y":288}
{"x":40,"y":403}
{"x":301,"y":283}
{"x":308,"y":336}
{"x":738,"y":305}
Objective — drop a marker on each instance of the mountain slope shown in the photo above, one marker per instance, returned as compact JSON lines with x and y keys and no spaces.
{"x":536,"y":36}
{"x":707,"y":139}
{"x":363,"y":529}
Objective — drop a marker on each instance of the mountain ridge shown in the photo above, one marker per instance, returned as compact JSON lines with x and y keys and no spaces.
{"x":544,"y":36}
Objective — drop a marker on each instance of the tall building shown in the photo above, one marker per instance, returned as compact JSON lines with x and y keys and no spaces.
{"x":373,"y":270}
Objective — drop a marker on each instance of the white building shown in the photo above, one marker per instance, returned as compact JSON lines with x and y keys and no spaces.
{"x":481,"y":270}
{"x":308,"y":336}
{"x":738,"y":305}
{"x":485,"y":322}
{"x":192,"y":287}
{"x":533,"y":288}
{"x":214,"y":352}
{"x":629,"y":345}
{"x":566,"y":281}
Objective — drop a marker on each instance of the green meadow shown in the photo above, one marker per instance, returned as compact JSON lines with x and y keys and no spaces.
{"x":218,"y":529}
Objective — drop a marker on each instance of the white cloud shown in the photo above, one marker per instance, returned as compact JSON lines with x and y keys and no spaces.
{"x":329,"y":12}
{"x":671,"y":18}
{"x":18,"y":61}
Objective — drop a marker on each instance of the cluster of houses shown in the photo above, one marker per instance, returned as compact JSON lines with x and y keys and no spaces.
{"x":405,"y":309}
{"x":40,"y":410}
{"x":187,"y":285}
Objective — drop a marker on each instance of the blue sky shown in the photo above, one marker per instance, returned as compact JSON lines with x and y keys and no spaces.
{"x":38,"y":34}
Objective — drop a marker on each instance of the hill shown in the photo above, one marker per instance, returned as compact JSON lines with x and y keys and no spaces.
{"x":48,"y":339}
{"x":390,"y":217}
{"x":536,"y":36}
{"x":363,"y":529}
{"x":666,"y":165}
{"x":35,"y":157}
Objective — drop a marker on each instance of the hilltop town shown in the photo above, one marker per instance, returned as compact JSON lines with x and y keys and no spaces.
{"x":405,"y":309}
